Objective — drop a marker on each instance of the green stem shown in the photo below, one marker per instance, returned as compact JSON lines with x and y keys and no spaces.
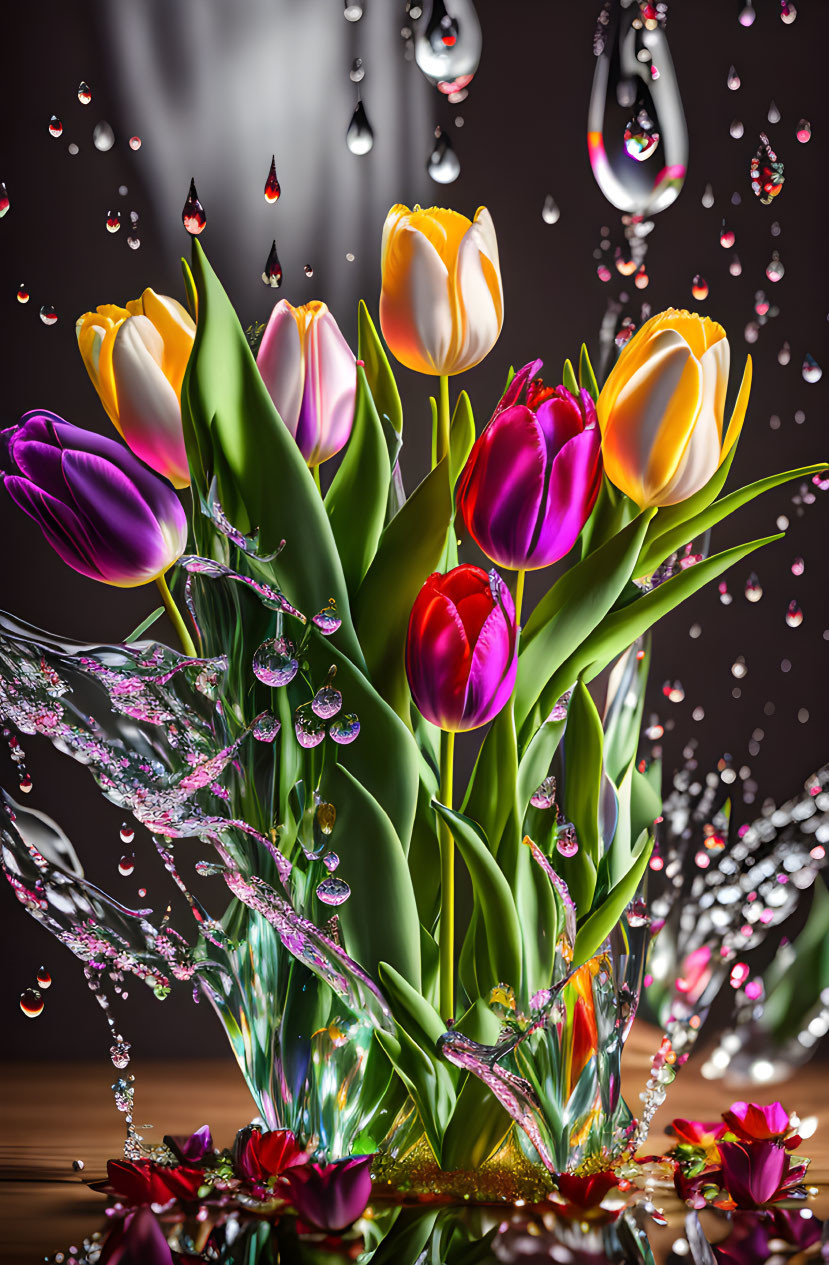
{"x":315,"y":471}
{"x":447,"y":883}
{"x":175,"y":618}
{"x":444,"y":418}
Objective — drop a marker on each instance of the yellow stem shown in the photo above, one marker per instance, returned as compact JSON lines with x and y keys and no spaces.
{"x":315,"y":471}
{"x":447,"y":883}
{"x":444,"y":418}
{"x":175,"y":618}
{"x":519,"y":596}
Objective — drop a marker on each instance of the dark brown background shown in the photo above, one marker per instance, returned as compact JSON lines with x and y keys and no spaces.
{"x":213,"y":89}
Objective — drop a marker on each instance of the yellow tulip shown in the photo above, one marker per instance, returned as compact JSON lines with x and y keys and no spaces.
{"x":136,"y":357}
{"x":661,"y":411}
{"x":442,"y":305}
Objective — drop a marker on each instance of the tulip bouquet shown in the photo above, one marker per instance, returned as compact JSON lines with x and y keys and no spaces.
{"x":334,"y":645}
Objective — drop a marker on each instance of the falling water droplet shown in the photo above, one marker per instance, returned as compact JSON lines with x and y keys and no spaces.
{"x":753,"y":589}
{"x":135,"y":142}
{"x":26,"y":782}
{"x":352,"y":12}
{"x":133,"y":242}
{"x":31,"y":1003}
{"x":55,"y":126}
{"x":784,"y":355}
{"x":725,"y":596}
{"x":774,"y":113}
{"x":266,"y":727}
{"x":78,"y":1166}
{"x":331,"y":861}
{"x":603,"y":272}
{"x":766,"y":172}
{"x":48,"y":314}
{"x":567,"y":843}
{"x":272,"y":189}
{"x":641,"y":279}
{"x":747,"y":14}
{"x":113,"y":221}
{"x":734,"y":266}
{"x":126,"y":866}
{"x":274,"y":663}
{"x":120,"y":1054}
{"x":272,"y":276}
{"x":44,"y":979}
{"x":625,"y":262}
{"x":326,"y":702}
{"x":84,"y":93}
{"x":344,"y":729}
{"x":443,"y":165}
{"x":308,"y":270}
{"x":699,"y":288}
{"x":727,"y":237}
{"x":103,"y":137}
{"x":448,"y":44}
{"x":359,"y":137}
{"x":357,"y":73}
{"x":637,"y":913}
{"x":798,"y":566}
{"x":333,"y":891}
{"x":788,"y":11}
{"x":550,"y":212}
{"x":736,"y":129}
{"x":4,"y":200}
{"x":22,"y":293}
{"x":192,"y":216}
{"x":733,"y":79}
{"x":708,"y":197}
{"x":775,"y":270}
{"x":812,"y":371}
{"x":632,"y":115}
{"x":804,"y":131}
{"x":794,"y":615}
{"x":73,"y":148}
{"x":126,"y":833}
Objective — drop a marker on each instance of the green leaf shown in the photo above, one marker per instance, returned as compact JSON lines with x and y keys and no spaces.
{"x":571,"y":609}
{"x":427,"y":1079}
{"x":357,"y":498}
{"x":616,"y":861}
{"x":568,"y":378}
{"x":461,"y":436}
{"x":410,"y":550}
{"x":492,"y":896}
{"x":587,"y":378}
{"x":412,"y":1011}
{"x":143,"y":626}
{"x":378,"y":370}
{"x":582,"y":787}
{"x":490,"y":793}
{"x":597,"y":927}
{"x":623,"y":716}
{"x":670,"y":540}
{"x":379,"y":920}
{"x":225,"y":404}
{"x":410,"y":1235}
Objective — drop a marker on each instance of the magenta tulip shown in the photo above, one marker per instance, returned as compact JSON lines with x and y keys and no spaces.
{"x":461,"y":648}
{"x":757,"y":1173}
{"x":533,"y":474}
{"x":105,"y":513}
{"x":331,"y":1196}
{"x":311,"y":376}
{"x":138,"y":1240}
{"x":754,"y":1123}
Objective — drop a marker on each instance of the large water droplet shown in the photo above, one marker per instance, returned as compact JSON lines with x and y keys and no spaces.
{"x":48,"y":314}
{"x":567,"y":843}
{"x":326,"y":702}
{"x":360,"y":137}
{"x":274,"y":663}
{"x":266,"y":727}
{"x":328,"y":620}
{"x":345,"y":729}
{"x":103,"y":137}
{"x":126,"y":866}
{"x":331,"y":861}
{"x":84,"y":93}
{"x":784,"y":355}
{"x":352,"y":12}
{"x":22,"y":293}
{"x":788,"y":11}
{"x":734,"y":266}
{"x":727,"y":237}
{"x":794,"y":615}
{"x":733,"y":79}
{"x":272,"y":189}
{"x":357,"y":73}
{"x":448,"y":44}
{"x":550,"y":212}
{"x":44,"y":979}
{"x":631,"y":114}
{"x":333,"y":891}
{"x":774,"y":269}
{"x":774,"y":113}
{"x":113,"y":221}
{"x":55,"y":126}
{"x":31,"y":1003}
{"x":135,"y":142}
{"x":192,"y":216}
{"x":766,"y":172}
{"x":699,"y":288}
{"x":272,"y":276}
{"x":309,"y":730}
{"x":747,"y":14}
{"x":812,"y":371}
{"x":444,"y":165}
{"x":736,"y":130}
{"x":708,"y":197}
{"x":804,"y":131}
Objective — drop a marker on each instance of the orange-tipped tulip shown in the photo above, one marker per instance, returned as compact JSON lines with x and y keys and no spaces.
{"x":442,"y":305}
{"x":661,"y":411}
{"x":583,"y":1034}
{"x":136,"y":357}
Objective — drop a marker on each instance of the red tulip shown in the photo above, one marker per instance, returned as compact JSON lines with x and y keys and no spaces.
{"x":461,"y":649}
{"x":589,"y":1198}
{"x":754,"y":1123}
{"x":138,"y":1240}
{"x":265,"y":1155}
{"x":331,"y":1196}
{"x":144,"y":1182}
{"x":533,"y":475}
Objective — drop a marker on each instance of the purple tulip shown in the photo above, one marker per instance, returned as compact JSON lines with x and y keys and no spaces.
{"x":331,"y":1196}
{"x":533,"y":474}
{"x":105,"y":513}
{"x":191,"y":1148}
{"x":461,"y":648}
{"x":139,"y":1240}
{"x":311,"y":376}
{"x":757,"y":1173}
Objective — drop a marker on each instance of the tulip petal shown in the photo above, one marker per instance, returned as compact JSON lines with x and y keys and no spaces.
{"x":571,"y":493}
{"x":96,"y":335}
{"x":62,"y":527}
{"x":41,"y":464}
{"x":327,"y":412}
{"x":517,"y":384}
{"x":735,"y":426}
{"x":149,"y":408}
{"x":417,"y":314}
{"x":477,"y":293}
{"x":177,"y":329}
{"x":502,"y":485}
{"x":493,"y":668}
{"x":438,"y":675}
{"x":281,"y":363}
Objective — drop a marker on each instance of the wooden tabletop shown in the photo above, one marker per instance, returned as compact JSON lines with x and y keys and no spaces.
{"x":52,"y":1114}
